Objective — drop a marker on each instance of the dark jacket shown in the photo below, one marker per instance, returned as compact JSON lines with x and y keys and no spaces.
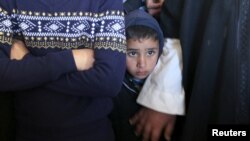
{"x":131,"y":5}
{"x":124,"y":108}
{"x":7,"y":119}
{"x":214,"y":36}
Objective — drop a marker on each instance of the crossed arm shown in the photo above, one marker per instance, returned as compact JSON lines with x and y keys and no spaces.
{"x":83,"y":58}
{"x":56,"y":70}
{"x":16,"y":72}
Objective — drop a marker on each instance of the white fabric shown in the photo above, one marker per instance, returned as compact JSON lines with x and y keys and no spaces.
{"x":163,"y":90}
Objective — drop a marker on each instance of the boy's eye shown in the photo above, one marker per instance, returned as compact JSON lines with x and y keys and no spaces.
{"x":150,"y":52}
{"x":132,"y":53}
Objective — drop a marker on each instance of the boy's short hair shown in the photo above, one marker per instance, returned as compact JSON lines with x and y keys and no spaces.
{"x":142,"y":18}
{"x":139,"y":32}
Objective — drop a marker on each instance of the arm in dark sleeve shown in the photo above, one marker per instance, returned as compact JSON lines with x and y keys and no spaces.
{"x":105,"y":78}
{"x":33,"y":71}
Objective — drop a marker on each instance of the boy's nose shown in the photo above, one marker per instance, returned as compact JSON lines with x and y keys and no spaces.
{"x":141,"y":62}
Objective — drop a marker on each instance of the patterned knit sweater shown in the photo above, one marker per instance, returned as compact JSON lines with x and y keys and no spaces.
{"x":53,"y":100}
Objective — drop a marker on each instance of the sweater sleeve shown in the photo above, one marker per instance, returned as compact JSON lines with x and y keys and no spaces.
{"x":105,"y":78}
{"x":31,"y":71}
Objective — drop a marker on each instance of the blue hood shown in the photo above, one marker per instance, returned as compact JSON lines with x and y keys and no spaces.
{"x":140,"y":17}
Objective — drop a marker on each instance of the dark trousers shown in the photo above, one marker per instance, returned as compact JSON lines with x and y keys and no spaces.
{"x":7,"y":122}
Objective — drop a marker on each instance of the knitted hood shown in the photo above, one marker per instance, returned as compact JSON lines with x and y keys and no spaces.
{"x":140,"y":17}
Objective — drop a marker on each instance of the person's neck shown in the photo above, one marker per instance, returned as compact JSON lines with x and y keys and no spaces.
{"x":138,"y":83}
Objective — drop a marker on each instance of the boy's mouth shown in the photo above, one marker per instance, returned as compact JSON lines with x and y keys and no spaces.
{"x":141,"y":73}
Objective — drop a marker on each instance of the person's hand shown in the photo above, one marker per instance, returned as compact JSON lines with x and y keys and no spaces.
{"x":154,"y":7}
{"x":18,"y":50}
{"x":151,"y":124}
{"x":84,"y":58}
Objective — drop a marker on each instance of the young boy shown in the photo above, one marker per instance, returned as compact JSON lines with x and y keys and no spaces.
{"x":144,"y":45}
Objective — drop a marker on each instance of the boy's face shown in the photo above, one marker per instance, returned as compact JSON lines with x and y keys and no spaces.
{"x":142,"y":56}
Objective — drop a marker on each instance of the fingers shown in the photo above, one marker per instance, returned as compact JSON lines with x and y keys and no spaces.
{"x":145,"y":125}
{"x":169,"y":129}
{"x":134,"y":119}
{"x":151,"y":124}
{"x":167,"y":133}
{"x":155,"y":134}
{"x":139,"y":129}
{"x":146,"y":132}
{"x":84,"y":58}
{"x":18,"y":50}
{"x":152,"y":131}
{"x":140,"y":123}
